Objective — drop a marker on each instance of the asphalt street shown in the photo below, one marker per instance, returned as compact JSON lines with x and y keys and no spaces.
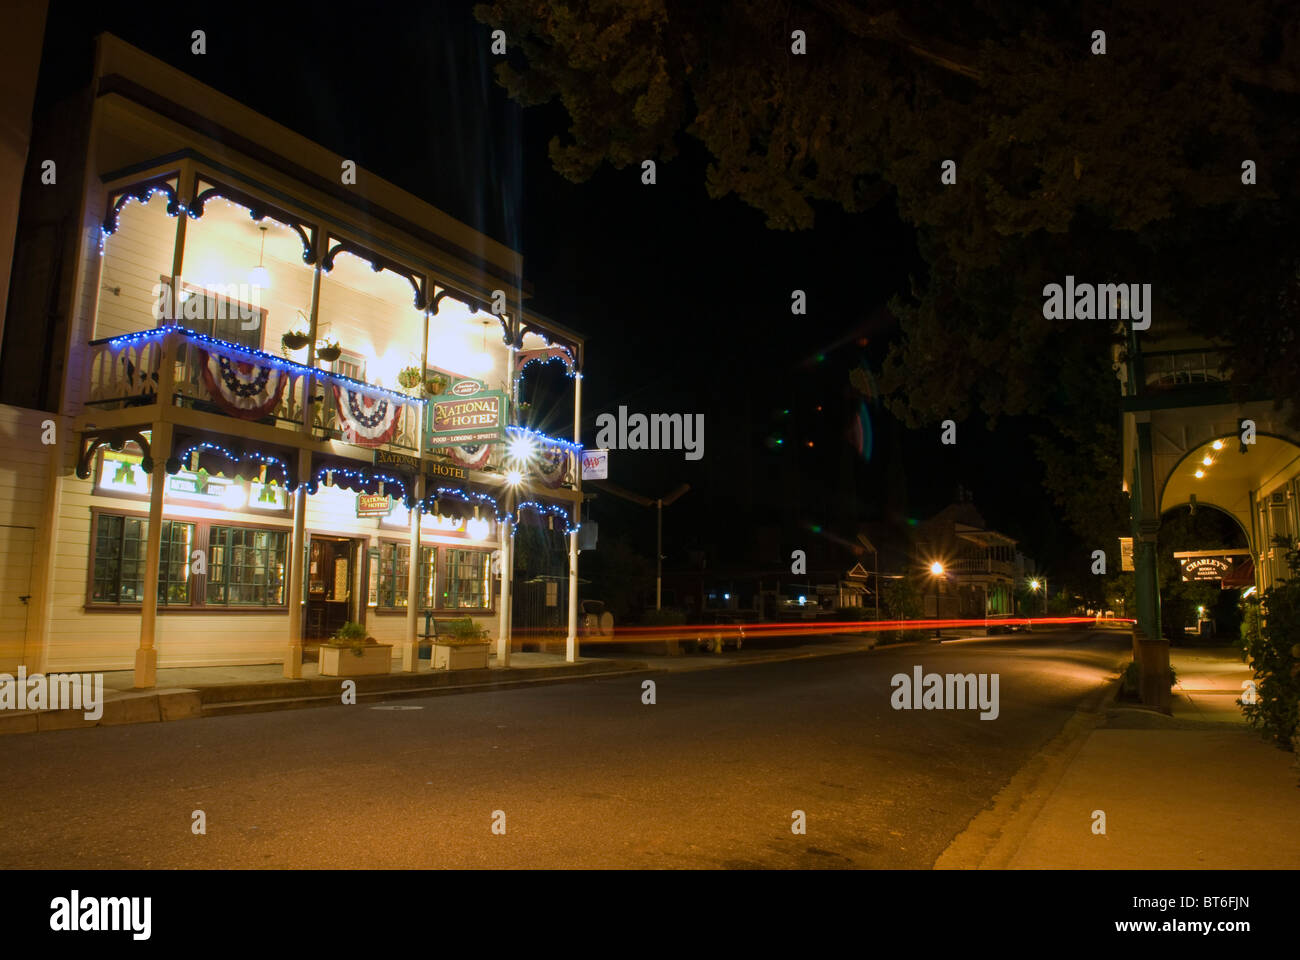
{"x":583,"y":774}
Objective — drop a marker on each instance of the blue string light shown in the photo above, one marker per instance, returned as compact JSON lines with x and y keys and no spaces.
{"x":568,"y":365}
{"x":264,"y":359}
{"x":467,"y":496}
{"x":573,"y":448}
{"x":265,"y":458}
{"x":174,"y":206}
{"x":550,"y":510}
{"x":362,"y":480}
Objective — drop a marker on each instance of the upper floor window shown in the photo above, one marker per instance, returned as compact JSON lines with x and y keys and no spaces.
{"x":220,"y":314}
{"x":351,"y":365}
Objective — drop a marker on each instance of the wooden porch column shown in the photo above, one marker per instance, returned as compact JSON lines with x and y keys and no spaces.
{"x":160,"y":446}
{"x":411,"y":645}
{"x":507,"y":575}
{"x":571,"y":643}
{"x":297,"y":569}
{"x":411,"y":648}
{"x":298,"y":544}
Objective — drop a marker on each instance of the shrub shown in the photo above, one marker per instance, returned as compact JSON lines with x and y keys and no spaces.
{"x":463,"y":630}
{"x":353,"y":635}
{"x":1131,"y":682}
{"x":1273,"y":643}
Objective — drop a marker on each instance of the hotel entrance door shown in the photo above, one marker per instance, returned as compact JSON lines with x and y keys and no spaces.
{"x":331,"y":568}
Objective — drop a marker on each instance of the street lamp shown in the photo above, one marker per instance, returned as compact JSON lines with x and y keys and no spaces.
{"x":1033,"y":585}
{"x":936,"y":571}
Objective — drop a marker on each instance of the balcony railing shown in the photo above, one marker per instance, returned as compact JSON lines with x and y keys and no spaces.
{"x":239,"y":382}
{"x":1178,"y":368}
{"x":982,"y":565}
{"x":219,"y":377}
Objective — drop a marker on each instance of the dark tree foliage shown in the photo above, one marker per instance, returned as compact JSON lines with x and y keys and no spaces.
{"x":1123,"y":167}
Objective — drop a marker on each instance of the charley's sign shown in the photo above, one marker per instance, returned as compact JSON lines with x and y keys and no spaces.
{"x":1204,"y":568}
{"x":480,"y":418}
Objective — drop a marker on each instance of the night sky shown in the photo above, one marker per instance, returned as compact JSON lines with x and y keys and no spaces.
{"x":684,"y":300}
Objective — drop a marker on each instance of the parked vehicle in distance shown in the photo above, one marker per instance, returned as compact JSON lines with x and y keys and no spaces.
{"x":596,"y":620}
{"x":992,"y":626}
{"x":729,"y":632}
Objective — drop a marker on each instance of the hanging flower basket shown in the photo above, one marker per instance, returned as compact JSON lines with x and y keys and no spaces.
{"x":329,"y":352}
{"x":295,"y":340}
{"x":409,"y":378}
{"x":435,"y":386}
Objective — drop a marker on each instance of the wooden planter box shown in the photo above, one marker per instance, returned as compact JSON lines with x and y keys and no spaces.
{"x":335,"y":661}
{"x":461,"y":656}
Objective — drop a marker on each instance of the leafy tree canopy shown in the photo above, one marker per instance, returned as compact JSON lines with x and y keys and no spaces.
{"x":1122,"y":167}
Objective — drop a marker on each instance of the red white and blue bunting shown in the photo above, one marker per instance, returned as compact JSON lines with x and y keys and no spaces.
{"x":471,"y":455}
{"x":246,"y":390}
{"x":366,"y":421}
{"x":552,"y":464}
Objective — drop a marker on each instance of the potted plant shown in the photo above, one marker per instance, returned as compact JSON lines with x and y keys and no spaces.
{"x":460,"y":645}
{"x":352,"y":653}
{"x":409,"y":377}
{"x":295,"y":339}
{"x":436,"y":385}
{"x":328,"y":349}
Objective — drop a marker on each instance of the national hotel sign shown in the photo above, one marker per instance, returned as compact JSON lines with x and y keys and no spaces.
{"x":479,"y":418}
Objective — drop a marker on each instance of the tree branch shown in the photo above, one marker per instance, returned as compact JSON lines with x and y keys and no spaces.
{"x":888,"y":28}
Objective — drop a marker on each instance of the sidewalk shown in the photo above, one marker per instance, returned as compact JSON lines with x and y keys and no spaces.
{"x":1198,"y":790}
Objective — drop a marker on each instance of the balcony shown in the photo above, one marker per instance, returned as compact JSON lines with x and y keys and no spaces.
{"x":982,"y":566}
{"x":242,"y":384}
{"x":1170,"y":369}
{"x":214,"y":376}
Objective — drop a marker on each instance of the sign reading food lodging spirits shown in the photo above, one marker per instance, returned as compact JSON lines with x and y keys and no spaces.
{"x":480,"y":418}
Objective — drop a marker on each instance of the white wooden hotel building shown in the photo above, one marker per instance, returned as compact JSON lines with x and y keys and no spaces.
{"x":328,"y":393}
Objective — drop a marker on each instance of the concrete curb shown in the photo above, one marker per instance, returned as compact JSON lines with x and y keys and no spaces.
{"x":158,"y":706}
{"x":991,"y":840}
{"x":239,"y":707}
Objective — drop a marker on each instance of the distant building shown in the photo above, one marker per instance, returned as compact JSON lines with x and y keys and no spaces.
{"x":981,"y":567}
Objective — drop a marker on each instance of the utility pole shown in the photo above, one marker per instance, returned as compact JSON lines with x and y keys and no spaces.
{"x":659,"y":505}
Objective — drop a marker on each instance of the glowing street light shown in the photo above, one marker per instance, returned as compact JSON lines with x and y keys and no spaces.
{"x":1033,"y":585}
{"x":936,"y":571}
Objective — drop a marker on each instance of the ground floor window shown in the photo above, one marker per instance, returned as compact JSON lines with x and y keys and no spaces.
{"x":201,"y":565}
{"x":465,"y":581}
{"x":246,"y":567}
{"x":119,"y":558}
{"x":393,"y":576}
